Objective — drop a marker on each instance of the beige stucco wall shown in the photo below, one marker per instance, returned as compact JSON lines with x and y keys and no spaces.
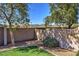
{"x":68,"y":38}
{"x":1,"y":35}
{"x":22,"y":34}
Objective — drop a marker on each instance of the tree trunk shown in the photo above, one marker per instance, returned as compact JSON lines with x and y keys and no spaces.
{"x":69,"y":26}
{"x":11,"y":35}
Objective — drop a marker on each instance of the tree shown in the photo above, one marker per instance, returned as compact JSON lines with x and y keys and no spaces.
{"x":14,"y":14}
{"x":64,"y":13}
{"x":47,"y":20}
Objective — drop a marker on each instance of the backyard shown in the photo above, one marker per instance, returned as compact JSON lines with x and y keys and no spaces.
{"x":55,"y":34}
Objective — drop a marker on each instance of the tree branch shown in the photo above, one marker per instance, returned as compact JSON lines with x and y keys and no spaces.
{"x":4,"y":14}
{"x":11,"y":11}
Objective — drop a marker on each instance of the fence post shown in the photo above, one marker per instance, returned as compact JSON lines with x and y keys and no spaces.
{"x":5,"y":36}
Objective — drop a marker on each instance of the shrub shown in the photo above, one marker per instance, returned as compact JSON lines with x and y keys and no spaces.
{"x":50,"y":42}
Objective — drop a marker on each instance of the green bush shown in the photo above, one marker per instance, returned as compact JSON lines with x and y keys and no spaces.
{"x":50,"y":42}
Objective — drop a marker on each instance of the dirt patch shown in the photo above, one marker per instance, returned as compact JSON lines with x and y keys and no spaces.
{"x":60,"y":52}
{"x":20,"y":44}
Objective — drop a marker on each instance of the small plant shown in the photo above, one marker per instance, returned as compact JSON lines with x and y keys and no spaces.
{"x":50,"y":42}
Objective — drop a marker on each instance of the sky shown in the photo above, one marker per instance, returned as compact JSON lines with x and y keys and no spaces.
{"x":37,"y":12}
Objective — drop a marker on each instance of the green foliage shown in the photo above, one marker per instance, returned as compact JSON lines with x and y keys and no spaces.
{"x":75,"y":25}
{"x":25,"y":51}
{"x":50,"y":42}
{"x":47,"y":20}
{"x":63,"y":13}
{"x":14,"y":13}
